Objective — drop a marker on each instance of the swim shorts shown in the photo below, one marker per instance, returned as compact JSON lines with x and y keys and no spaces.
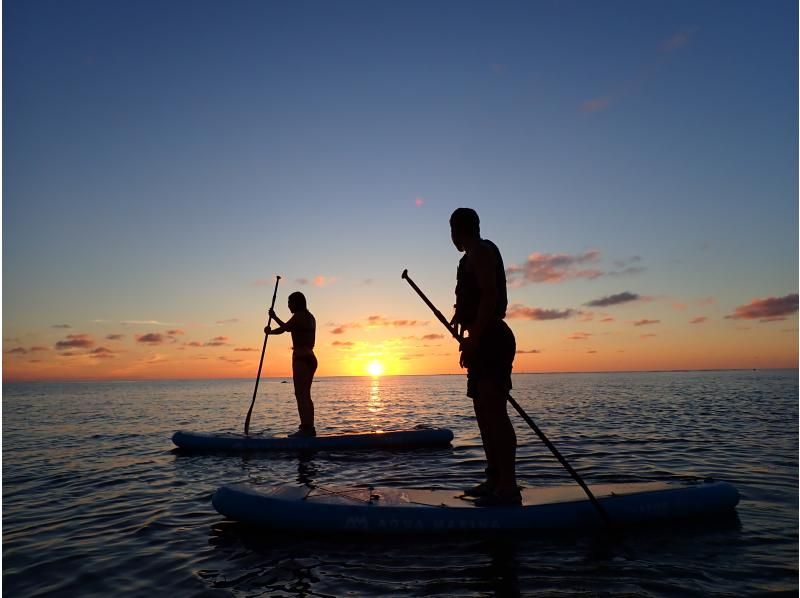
{"x":493,"y":360}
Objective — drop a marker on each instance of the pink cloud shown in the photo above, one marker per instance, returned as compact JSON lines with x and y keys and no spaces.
{"x":770,"y":309}
{"x":433,"y":337}
{"x":554,"y":267}
{"x":419,"y":202}
{"x":101,"y":353}
{"x":619,"y":298}
{"x":596,"y":104}
{"x":517,"y":311}
{"x":217,"y":341}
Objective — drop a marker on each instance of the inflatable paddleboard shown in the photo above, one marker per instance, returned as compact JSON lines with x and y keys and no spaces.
{"x":210,"y":441}
{"x":406,"y":511}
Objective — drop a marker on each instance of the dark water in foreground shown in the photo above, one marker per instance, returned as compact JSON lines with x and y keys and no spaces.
{"x":95,"y":503}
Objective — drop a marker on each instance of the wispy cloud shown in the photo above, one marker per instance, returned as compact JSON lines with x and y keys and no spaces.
{"x":617,"y":299}
{"x":419,"y":202}
{"x":147,"y":323}
{"x":527,"y":352}
{"x":75,"y":341}
{"x":228,"y":321}
{"x":101,"y":353}
{"x":375,"y":321}
{"x":317,"y":281}
{"x":554,"y":267}
{"x":699,"y":320}
{"x":558,"y":267}
{"x":245,"y":349}
{"x":217,"y":341}
{"x":517,"y":311}
{"x":579,"y":336}
{"x":634,"y":83}
{"x":770,"y":309}
{"x":432,"y":337}
{"x":342,"y":344}
{"x":60,"y":326}
{"x":677,"y":41}
{"x":650,"y":335}
{"x":646,"y":322}
{"x":114,"y":337}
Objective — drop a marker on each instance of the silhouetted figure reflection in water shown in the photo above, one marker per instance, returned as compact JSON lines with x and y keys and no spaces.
{"x":303,"y":327}
{"x":488,"y":354}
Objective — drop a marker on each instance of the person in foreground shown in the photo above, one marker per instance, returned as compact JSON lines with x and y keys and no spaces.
{"x":303,"y":327}
{"x":488,"y":353}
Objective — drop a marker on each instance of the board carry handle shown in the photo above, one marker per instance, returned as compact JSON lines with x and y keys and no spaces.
{"x":515,"y":405}
{"x":261,"y":362}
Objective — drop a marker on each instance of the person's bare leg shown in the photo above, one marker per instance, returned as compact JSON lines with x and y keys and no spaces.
{"x":500,"y":437}
{"x":303,"y":376}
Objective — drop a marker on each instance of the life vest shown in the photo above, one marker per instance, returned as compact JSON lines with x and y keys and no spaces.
{"x":468,"y":293}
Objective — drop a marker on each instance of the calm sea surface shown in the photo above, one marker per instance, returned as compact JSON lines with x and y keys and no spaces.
{"x":96,"y":503}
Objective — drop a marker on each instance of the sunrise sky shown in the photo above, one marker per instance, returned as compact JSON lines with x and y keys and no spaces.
{"x":636,"y":163}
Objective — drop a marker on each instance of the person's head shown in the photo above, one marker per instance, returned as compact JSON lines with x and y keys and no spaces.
{"x":465,"y":227}
{"x":297,"y":302}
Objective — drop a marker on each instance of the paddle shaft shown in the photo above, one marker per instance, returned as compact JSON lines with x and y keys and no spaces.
{"x":519,"y":410}
{"x":261,"y":362}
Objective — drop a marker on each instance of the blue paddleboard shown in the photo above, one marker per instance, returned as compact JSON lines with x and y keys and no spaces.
{"x":222,"y":441}
{"x":407,"y":511}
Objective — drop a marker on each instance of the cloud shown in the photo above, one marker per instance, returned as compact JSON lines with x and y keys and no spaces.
{"x":339,"y":330}
{"x":229,"y":360}
{"x":677,"y":41}
{"x":554,"y":267}
{"x":193,"y":344}
{"x":217,"y":341}
{"x":770,"y":309}
{"x":433,"y":337}
{"x":175,"y":332}
{"x":520,"y":312}
{"x":17,"y":351}
{"x":529,"y":351}
{"x":228,"y":321}
{"x":146,"y":323}
{"x":607,"y":319}
{"x":596,"y":104}
{"x":419,"y":202}
{"x":651,"y":335}
{"x":115,"y":337}
{"x":592,"y":351}
{"x":244,"y":349}
{"x":60,"y":326}
{"x":619,"y":298}
{"x":646,"y":322}
{"x":37,"y":349}
{"x":151,"y":338}
{"x":101,"y":353}
{"x":699,"y":320}
{"x":342,"y":344}
{"x":579,"y":336}
{"x":75,"y":341}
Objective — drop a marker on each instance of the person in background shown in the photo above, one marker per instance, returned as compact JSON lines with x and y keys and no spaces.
{"x":302,"y":326}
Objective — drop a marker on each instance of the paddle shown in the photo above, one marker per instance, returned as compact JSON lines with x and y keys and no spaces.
{"x":519,"y":410}
{"x":261,"y":363}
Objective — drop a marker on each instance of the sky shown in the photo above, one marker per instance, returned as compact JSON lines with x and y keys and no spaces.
{"x":635,"y":162}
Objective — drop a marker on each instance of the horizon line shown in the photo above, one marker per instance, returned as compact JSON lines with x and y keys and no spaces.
{"x":544,"y":373}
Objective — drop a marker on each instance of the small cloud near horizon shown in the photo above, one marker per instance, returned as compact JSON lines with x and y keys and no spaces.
{"x":60,"y":326}
{"x":699,"y":320}
{"x":769,"y":309}
{"x":579,"y":336}
{"x":527,"y":352}
{"x":114,"y":337}
{"x":150,"y":338}
{"x":75,"y":341}
{"x":617,"y":299}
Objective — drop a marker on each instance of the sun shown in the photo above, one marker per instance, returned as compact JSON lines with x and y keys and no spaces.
{"x":375,"y":368}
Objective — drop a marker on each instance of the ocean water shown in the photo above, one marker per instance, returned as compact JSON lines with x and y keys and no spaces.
{"x":97,"y":503}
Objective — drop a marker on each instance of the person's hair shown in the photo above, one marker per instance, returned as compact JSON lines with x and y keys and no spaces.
{"x":298,"y":300}
{"x":466,"y":219}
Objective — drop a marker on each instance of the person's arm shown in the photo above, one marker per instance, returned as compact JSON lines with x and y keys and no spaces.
{"x":282,"y":326}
